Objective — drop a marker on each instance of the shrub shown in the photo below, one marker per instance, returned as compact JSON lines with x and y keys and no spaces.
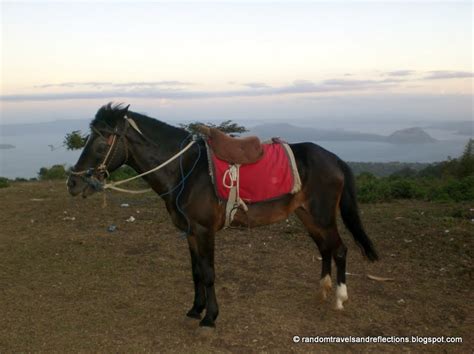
{"x":4,"y":182}
{"x":454,"y":190}
{"x":55,"y":172}
{"x":123,"y":172}
{"x":404,"y":188}
{"x":371,"y":189}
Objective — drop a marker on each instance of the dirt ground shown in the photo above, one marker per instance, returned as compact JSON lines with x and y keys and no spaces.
{"x":67,"y":284}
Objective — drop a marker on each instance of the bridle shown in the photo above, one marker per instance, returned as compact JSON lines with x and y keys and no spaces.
{"x":95,"y":175}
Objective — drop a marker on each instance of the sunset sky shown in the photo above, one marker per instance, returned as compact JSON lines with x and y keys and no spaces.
{"x":234,"y":61}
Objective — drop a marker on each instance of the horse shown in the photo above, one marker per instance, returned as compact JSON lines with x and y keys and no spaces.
{"x":120,"y":136}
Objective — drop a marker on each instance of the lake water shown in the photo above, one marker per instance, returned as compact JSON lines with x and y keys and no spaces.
{"x":32,"y":153}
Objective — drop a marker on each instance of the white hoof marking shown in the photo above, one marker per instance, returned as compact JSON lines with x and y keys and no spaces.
{"x":341,"y":296}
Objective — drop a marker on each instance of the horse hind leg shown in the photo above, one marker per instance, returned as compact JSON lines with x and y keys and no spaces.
{"x":325,"y":280}
{"x":339,"y":256}
{"x":336,"y":248}
{"x":331,"y":247}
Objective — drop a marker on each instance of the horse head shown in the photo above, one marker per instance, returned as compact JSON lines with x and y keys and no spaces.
{"x":105,"y":150}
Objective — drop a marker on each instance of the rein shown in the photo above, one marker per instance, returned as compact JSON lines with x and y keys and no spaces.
{"x":114,"y":185}
{"x":94,"y":182}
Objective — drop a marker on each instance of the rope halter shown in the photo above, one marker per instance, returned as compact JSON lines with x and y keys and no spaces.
{"x":95,"y":176}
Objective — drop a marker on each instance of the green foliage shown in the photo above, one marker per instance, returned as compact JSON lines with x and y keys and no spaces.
{"x":405,"y":172}
{"x":226,"y":126}
{"x":75,"y":140}
{"x":385,"y":189}
{"x":123,"y":172}
{"x":55,"y":172}
{"x":370,"y":189}
{"x":404,"y":189}
{"x":453,"y":168}
{"x":466,"y":162}
{"x":453,"y":190}
{"x":385,"y":169}
{"x":4,"y":182}
{"x":451,"y":180}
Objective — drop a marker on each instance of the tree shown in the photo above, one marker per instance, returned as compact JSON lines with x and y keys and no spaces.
{"x":54,"y":172}
{"x":226,"y":126}
{"x":75,"y":140}
{"x":466,"y":161}
{"x":406,"y":172}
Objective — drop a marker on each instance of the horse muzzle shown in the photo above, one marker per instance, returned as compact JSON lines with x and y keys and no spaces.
{"x":83,"y":185}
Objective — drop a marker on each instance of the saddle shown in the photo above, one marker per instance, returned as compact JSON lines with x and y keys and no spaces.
{"x":240,"y":151}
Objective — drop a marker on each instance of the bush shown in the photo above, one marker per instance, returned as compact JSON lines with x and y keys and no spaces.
{"x":404,"y":189}
{"x":4,"y":182}
{"x":371,"y":189}
{"x":454,"y":190}
{"x":123,"y":172}
{"x":53,"y":173}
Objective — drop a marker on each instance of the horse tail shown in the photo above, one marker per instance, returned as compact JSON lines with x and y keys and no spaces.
{"x":350,"y":214}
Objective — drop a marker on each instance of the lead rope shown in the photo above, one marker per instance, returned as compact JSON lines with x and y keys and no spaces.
{"x":114,"y":185}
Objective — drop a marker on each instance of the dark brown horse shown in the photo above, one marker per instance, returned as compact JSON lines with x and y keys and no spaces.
{"x":190,"y":198}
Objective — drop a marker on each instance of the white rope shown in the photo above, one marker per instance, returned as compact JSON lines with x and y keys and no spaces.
{"x":141,"y":191}
{"x":174,"y":157}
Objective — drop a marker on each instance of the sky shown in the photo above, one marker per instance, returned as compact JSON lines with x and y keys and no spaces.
{"x":244,"y":61}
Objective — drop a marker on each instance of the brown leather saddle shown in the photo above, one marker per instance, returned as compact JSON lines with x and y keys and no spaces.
{"x":233,"y":150}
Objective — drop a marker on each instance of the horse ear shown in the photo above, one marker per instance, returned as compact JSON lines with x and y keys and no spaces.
{"x":125,"y":110}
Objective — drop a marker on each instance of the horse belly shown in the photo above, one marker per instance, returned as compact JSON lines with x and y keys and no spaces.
{"x":268,"y":212}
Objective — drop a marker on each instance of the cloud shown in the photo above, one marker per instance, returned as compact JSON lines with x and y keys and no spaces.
{"x":400,"y":73}
{"x":445,"y":74}
{"x":120,"y":84}
{"x":256,"y":85}
{"x":154,"y":90}
{"x":359,"y":83}
{"x":152,"y":83}
{"x":74,"y":84}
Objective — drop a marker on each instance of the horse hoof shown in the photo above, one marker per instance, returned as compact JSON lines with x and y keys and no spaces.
{"x":341,"y":296}
{"x":194,"y":315}
{"x":207,"y":323}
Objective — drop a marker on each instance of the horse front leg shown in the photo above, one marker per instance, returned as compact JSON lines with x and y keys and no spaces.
{"x":199,"y":302}
{"x":206,"y":266}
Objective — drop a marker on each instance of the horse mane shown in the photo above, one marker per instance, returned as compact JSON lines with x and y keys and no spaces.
{"x":112,"y":114}
{"x":109,"y":115}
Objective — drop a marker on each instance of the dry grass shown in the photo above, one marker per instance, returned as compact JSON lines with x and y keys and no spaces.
{"x":69,"y":285}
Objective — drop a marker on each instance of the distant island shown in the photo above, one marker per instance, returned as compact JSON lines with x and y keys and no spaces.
{"x":411,"y":136}
{"x":6,"y":146}
{"x":294,"y":133}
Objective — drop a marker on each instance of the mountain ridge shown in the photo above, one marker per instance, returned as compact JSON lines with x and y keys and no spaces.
{"x":292,"y":133}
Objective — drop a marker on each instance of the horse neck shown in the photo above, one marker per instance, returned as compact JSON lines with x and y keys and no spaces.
{"x":147,"y":153}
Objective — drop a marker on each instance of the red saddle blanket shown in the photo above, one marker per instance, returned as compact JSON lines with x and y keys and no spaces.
{"x":269,"y":178}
